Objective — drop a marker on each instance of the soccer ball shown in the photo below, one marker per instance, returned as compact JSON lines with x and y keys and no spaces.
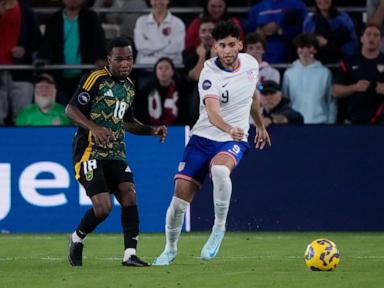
{"x":322,"y":255}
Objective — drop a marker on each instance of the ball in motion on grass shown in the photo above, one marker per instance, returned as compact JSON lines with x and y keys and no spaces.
{"x":322,"y":255}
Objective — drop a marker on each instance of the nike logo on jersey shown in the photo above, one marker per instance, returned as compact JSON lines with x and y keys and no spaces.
{"x":354,"y":67}
{"x":109,"y":93}
{"x":225,"y":84}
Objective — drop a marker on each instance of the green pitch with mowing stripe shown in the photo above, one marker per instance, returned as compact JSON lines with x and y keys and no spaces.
{"x":245,"y":260}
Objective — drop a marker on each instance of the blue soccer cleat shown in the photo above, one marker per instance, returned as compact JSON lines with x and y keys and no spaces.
{"x":212,"y":246}
{"x":165,"y":258}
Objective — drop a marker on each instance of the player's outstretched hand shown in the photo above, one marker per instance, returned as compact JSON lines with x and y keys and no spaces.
{"x":262,"y":138}
{"x":160,"y":131}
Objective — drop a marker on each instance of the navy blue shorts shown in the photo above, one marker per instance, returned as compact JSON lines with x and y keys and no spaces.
{"x":199,"y":153}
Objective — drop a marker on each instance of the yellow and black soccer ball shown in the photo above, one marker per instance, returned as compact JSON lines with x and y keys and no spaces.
{"x":322,"y":255}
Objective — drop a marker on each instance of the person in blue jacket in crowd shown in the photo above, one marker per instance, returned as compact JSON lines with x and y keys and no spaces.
{"x":280,"y":21}
{"x":335,"y":32}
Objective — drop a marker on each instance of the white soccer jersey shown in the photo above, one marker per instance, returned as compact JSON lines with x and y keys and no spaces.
{"x":234,"y":90}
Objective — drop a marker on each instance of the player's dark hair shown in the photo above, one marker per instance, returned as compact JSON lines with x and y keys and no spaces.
{"x":254,"y":38}
{"x":306,"y":40}
{"x":119,"y":42}
{"x":224,"y":29}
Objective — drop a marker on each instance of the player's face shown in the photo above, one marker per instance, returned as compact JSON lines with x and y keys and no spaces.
{"x":371,"y":39}
{"x":216,"y":8}
{"x":120,"y":61}
{"x":227,"y":50}
{"x":164,"y":71}
{"x":256,"y":50}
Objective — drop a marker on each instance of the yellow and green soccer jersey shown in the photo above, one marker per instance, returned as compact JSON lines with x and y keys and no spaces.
{"x":107,"y":101}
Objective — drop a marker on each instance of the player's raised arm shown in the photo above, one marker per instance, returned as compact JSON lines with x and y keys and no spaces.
{"x":262,"y":136}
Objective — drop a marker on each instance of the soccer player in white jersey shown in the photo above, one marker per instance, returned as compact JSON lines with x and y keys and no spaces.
{"x":219,"y":138}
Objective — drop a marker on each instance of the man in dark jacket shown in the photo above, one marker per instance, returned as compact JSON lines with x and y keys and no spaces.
{"x":275,"y":107}
{"x":73,"y":36}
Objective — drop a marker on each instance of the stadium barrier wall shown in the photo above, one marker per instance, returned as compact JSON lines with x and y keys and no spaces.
{"x":313,"y":178}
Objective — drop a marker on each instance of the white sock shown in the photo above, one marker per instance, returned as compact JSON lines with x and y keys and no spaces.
{"x":76,"y":238}
{"x":128,"y":252}
{"x":222,"y":190}
{"x":174,"y":222}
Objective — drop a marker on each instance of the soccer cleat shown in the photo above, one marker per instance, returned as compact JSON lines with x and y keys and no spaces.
{"x":75,"y":255}
{"x":211,"y":247}
{"x":134,"y":261}
{"x":165,"y":258}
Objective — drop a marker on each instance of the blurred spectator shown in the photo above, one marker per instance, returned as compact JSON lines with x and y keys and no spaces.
{"x":73,"y":36}
{"x":361,"y":79}
{"x":19,"y":40}
{"x":256,"y":45}
{"x":162,"y":102}
{"x":2,"y":7}
{"x":275,"y":107}
{"x":45,"y":110}
{"x":335,"y":32}
{"x":215,"y":9}
{"x":308,"y":83}
{"x":375,"y":11}
{"x":159,"y":34}
{"x":125,"y":21}
{"x":279,"y":21}
{"x":194,"y":63}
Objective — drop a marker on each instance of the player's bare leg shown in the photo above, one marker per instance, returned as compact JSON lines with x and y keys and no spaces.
{"x":183,"y":196}
{"x":222,"y":189}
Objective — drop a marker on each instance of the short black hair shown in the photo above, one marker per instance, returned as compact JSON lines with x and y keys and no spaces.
{"x":254,"y":38}
{"x":224,"y":29}
{"x":119,"y":42}
{"x":369,"y":25}
{"x":306,"y":40}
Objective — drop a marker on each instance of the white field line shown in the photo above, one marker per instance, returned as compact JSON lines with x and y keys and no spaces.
{"x":245,"y":258}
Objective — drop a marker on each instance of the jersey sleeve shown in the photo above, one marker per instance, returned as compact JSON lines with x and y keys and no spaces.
{"x":85,"y":92}
{"x":208,"y":85}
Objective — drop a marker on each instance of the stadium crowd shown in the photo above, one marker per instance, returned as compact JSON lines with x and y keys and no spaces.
{"x":328,"y":63}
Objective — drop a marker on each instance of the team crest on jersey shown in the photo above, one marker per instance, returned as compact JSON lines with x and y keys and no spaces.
{"x":83,"y":98}
{"x":380,"y":68}
{"x":89,"y":175}
{"x":207,"y":84}
{"x":181,"y":166}
{"x":251,"y":75}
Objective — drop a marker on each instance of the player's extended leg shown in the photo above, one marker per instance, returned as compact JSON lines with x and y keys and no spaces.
{"x":126,"y":196}
{"x":183,"y":196}
{"x":222,"y":189}
{"x":102,"y":206}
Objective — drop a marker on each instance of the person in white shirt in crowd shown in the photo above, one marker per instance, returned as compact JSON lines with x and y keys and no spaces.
{"x":308,"y":83}
{"x":159,"y":34}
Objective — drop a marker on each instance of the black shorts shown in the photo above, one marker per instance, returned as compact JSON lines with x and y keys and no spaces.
{"x":98,"y":176}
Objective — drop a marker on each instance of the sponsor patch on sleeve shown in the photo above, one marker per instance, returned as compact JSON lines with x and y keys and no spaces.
{"x":83,"y":98}
{"x":207,"y":84}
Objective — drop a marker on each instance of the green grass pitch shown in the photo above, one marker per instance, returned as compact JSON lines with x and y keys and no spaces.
{"x":257,"y":259}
